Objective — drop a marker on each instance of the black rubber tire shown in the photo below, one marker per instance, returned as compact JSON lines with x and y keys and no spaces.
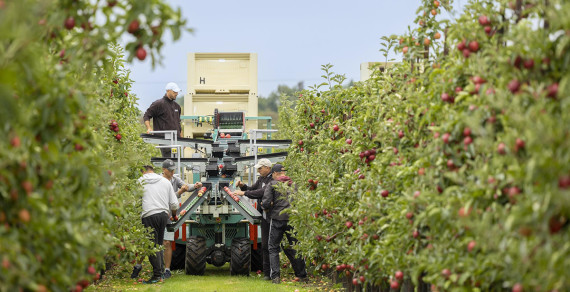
{"x":256,"y":258}
{"x":241,"y":256}
{"x":195,"y":256}
{"x":178,"y":261}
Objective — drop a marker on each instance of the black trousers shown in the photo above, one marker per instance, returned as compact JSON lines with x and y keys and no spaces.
{"x":158,"y":223}
{"x":277,"y":229}
{"x":265,"y":247}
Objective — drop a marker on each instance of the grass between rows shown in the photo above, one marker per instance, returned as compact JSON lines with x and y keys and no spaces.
{"x":215,"y":279}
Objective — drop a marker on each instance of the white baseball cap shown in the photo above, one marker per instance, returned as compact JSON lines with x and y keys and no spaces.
{"x":173,"y":86}
{"x":263,"y":162}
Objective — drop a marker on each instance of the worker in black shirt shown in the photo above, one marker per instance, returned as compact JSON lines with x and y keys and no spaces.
{"x":165,"y":114}
{"x":256,"y":191}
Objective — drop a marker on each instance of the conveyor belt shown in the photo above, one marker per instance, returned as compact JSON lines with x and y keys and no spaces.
{"x":245,"y":209}
{"x":265,"y":142}
{"x":260,"y":156}
{"x":185,"y":162}
{"x":180,"y":139}
{"x":190,"y":205}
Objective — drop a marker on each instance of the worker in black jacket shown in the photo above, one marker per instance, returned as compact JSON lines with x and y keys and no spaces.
{"x":276,"y":203}
{"x":165,"y":114}
{"x":256,"y":191}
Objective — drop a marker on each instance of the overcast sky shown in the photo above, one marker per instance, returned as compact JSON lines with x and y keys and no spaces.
{"x":292,"y":39}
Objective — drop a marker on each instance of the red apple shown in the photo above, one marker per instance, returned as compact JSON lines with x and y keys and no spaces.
{"x":399,"y":275}
{"x":501,"y":148}
{"x":517,"y":288}
{"x":445,"y":138}
{"x":348,"y":224}
{"x":141,"y":53}
{"x":528,"y":64}
{"x":394,"y":285}
{"x":27,"y":186}
{"x":552,"y":90}
{"x":564,"y":182}
{"x":471,"y":245}
{"x":415,"y":234}
{"x":24,"y":215}
{"x":446,"y":273}
{"x":335,"y":128}
{"x":348,"y":141}
{"x":385,"y":193}
{"x":514,"y":86}
{"x":416,"y":194}
{"x":474,"y":46}
{"x":461,"y":45}
{"x":69,"y":23}
{"x":133,"y":26}
{"x":519,"y":144}
{"x":484,"y":20}
{"x":468,"y":140}
{"x":15,"y":142}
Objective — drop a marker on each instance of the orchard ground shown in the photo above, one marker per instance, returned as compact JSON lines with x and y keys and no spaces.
{"x":215,"y":279}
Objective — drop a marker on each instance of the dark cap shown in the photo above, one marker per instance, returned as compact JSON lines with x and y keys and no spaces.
{"x":278,"y":168}
{"x":169,"y":164}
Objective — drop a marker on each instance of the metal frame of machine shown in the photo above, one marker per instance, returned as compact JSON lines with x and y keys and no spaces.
{"x":217,"y":226}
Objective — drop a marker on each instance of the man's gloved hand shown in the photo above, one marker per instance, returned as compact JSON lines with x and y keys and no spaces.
{"x":174,"y":219}
{"x":239,"y":184}
{"x":197,"y":185}
{"x":239,"y":193}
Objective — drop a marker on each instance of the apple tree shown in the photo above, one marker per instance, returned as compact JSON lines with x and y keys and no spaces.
{"x":68,"y":194}
{"x":451,"y":168}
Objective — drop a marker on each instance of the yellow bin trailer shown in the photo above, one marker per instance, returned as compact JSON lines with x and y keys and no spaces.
{"x":223,"y":81}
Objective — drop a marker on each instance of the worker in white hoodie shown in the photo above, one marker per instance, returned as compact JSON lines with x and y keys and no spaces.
{"x":159,"y":201}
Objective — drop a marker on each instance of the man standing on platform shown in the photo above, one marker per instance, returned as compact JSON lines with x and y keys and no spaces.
{"x":165,"y":114}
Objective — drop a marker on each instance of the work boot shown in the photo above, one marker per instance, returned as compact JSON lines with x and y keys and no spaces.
{"x":276,"y":281}
{"x":152,"y":280}
{"x":304,"y":280}
{"x":267,"y":278}
{"x":136,"y":271}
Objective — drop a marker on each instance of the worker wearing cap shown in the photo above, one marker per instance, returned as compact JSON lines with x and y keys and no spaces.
{"x":256,"y":191}
{"x":165,"y":114}
{"x":276,"y":204}
{"x":179,"y":186}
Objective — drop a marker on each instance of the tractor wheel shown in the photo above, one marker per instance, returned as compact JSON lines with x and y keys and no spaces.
{"x":256,"y":258}
{"x":241,"y":253}
{"x":195,"y":255}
